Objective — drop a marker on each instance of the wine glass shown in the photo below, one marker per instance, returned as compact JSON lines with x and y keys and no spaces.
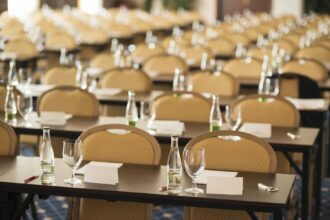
{"x":72,"y":156}
{"x":24,"y":76}
{"x":144,"y":111}
{"x":24,"y":105}
{"x":233,"y":122}
{"x":194,"y":164}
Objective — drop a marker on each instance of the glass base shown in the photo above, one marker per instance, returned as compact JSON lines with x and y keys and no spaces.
{"x":72,"y":181}
{"x":194,"y":190}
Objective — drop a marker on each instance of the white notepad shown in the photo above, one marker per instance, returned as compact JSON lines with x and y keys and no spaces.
{"x":202,"y":178}
{"x":165,"y":127}
{"x":261,"y":130}
{"x":107,"y":91}
{"x":224,"y":185}
{"x":307,"y":104}
{"x":82,"y":170}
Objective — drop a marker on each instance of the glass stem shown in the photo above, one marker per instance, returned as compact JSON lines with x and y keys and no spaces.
{"x":194,"y":185}
{"x":72,"y":173}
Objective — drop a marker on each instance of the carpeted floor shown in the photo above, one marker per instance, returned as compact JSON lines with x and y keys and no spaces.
{"x":55,"y":208}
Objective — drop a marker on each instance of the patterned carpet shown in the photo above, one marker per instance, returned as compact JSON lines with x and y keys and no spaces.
{"x":55,"y":208}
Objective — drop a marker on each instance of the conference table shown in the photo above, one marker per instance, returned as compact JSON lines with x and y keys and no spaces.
{"x":141,"y":183}
{"x":279,"y":140}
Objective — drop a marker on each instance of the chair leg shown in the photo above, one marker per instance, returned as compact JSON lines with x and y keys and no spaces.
{"x":34,"y":210}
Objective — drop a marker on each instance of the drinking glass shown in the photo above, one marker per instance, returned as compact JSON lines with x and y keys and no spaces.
{"x":233,"y":121}
{"x":24,"y":106}
{"x":72,"y":156}
{"x":194,"y":164}
{"x":144,"y":111}
{"x":24,"y":76}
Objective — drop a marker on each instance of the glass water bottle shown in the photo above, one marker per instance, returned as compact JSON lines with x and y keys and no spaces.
{"x":215,"y":114}
{"x":131,"y":109}
{"x":10,"y":106}
{"x":174,"y":168}
{"x":12,"y":74}
{"x":47,"y":158}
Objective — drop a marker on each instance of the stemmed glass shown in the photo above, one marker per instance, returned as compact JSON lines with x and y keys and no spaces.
{"x":233,"y":121}
{"x":24,"y":76}
{"x":24,"y":106}
{"x":194,"y":164}
{"x":72,"y":156}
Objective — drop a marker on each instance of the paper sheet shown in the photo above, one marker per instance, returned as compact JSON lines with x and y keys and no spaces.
{"x":202,"y":178}
{"x":257,"y":129}
{"x":224,"y":185}
{"x":81,"y":171}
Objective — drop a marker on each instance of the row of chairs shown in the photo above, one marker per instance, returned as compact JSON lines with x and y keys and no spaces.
{"x":249,"y":154}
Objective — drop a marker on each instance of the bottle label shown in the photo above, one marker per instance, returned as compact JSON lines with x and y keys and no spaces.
{"x":214,"y":127}
{"x":132,"y":123}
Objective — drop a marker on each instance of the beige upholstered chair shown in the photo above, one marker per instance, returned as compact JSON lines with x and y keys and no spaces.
{"x":238,"y":38}
{"x":164,"y":65}
{"x":294,"y":38}
{"x":69,"y":99}
{"x":134,"y":147}
{"x":60,"y":39}
{"x":286,"y":45}
{"x":249,"y":154}
{"x":193,"y":55}
{"x":182,"y":106}
{"x":126,"y":79}
{"x":244,"y":68}
{"x":259,"y":53}
{"x":307,"y":67}
{"x":60,"y":76}
{"x":8,"y":140}
{"x":145,"y":51}
{"x":103,"y":61}
{"x":220,"y":83}
{"x":93,"y":36}
{"x":319,"y":53}
{"x":22,"y":48}
{"x":274,"y":110}
{"x":221,"y":47}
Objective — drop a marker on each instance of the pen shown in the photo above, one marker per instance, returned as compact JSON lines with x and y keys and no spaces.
{"x":162,"y":188}
{"x":31,"y":178}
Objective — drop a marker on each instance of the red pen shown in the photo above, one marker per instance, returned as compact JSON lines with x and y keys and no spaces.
{"x":162,"y":188}
{"x":31,"y":178}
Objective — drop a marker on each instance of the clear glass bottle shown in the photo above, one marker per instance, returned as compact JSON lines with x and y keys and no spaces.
{"x":47,"y":158}
{"x":131,"y":109}
{"x":174,"y":168}
{"x":215,"y":114}
{"x":262,"y":88}
{"x":12,"y":74}
{"x":178,"y":81}
{"x":81,"y":77}
{"x":10,"y":106}
{"x":63,"y":57}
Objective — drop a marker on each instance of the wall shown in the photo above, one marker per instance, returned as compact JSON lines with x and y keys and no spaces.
{"x":281,"y":7}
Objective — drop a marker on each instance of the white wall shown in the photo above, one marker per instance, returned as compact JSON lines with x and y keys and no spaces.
{"x":282,"y":7}
{"x":21,"y":8}
{"x":90,"y":6}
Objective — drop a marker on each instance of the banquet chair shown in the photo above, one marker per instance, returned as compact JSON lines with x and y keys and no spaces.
{"x":219,"y":83}
{"x":145,"y":51}
{"x":319,"y":53}
{"x":274,"y":110}
{"x":129,"y":145}
{"x":22,"y":48}
{"x":286,"y":45}
{"x":221,"y":47}
{"x":164,"y":65}
{"x":259,"y":53}
{"x":238,"y":38}
{"x":294,"y":38}
{"x":182,"y":106}
{"x":244,"y":68}
{"x":60,"y":76}
{"x":246,"y":154}
{"x":307,"y":67}
{"x":60,"y":39}
{"x":70,"y":100}
{"x":126,"y":79}
{"x":8,"y":140}
{"x":103,"y":61}
{"x":193,"y":55}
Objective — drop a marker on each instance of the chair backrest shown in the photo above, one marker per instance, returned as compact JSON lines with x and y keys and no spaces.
{"x":286,"y":45}
{"x":307,"y":67}
{"x":238,"y":38}
{"x":221,"y":47}
{"x":145,"y":51}
{"x":164,"y":65}
{"x":3,"y":92}
{"x":103,"y":61}
{"x":244,"y":68}
{"x":8,"y":140}
{"x":220,"y":83}
{"x":59,"y":40}
{"x":69,"y":99}
{"x":294,"y":38}
{"x":318,"y":53}
{"x":246,"y":153}
{"x":22,"y":48}
{"x":182,"y":106}
{"x":274,"y":110}
{"x":259,"y":53}
{"x":126,"y":79}
{"x":193,"y":55}
{"x":60,"y":76}
{"x":93,"y":36}
{"x":128,"y":145}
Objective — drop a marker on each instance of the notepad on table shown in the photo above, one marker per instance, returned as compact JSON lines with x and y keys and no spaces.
{"x":165,"y":127}
{"x":224,"y":185}
{"x":261,"y":130}
{"x":82,"y":170}
{"x":202,"y":178}
{"x":307,"y":104}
